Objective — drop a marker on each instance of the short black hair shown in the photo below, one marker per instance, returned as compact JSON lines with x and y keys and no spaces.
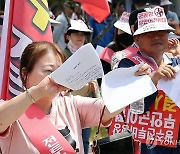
{"x":141,"y":1}
{"x":69,"y":4}
{"x":133,"y":16}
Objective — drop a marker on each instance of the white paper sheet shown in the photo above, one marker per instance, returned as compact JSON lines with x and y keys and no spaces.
{"x":121,"y":87}
{"x":82,"y":67}
{"x":172,"y":87}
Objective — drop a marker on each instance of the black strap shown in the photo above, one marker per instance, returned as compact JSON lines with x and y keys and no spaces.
{"x":100,"y":121}
{"x":68,"y":21}
{"x":94,"y":145}
{"x":1,"y":21}
{"x":97,"y":132}
{"x":97,"y":38}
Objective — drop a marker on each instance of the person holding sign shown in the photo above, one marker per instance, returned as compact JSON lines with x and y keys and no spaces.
{"x":159,"y":123}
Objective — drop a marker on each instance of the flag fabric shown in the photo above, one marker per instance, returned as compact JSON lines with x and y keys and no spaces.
{"x":24,"y":21}
{"x":98,"y":9}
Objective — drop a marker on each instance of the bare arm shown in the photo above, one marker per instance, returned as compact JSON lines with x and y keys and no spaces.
{"x":12,"y":109}
{"x":108,"y":116}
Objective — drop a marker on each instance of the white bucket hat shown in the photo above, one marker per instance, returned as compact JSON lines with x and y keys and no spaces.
{"x":153,"y":19}
{"x":165,"y":2}
{"x":79,"y":25}
{"x":123,"y":23}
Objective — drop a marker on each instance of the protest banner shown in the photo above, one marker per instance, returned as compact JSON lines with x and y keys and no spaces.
{"x":158,"y":126}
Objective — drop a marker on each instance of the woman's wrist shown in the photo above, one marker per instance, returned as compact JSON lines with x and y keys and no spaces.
{"x":34,"y":94}
{"x":30,"y":96}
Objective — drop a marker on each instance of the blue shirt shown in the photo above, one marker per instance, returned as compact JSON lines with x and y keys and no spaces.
{"x":172,"y":16}
{"x":98,"y":27}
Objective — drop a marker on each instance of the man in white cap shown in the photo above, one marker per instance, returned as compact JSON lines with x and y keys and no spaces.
{"x":151,"y":29}
{"x":172,"y":17}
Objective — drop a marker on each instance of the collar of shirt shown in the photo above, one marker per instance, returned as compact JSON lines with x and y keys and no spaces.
{"x":166,"y":59}
{"x":135,"y":45}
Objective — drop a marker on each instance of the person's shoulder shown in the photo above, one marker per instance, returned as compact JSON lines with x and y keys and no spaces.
{"x":125,"y":63}
{"x":171,"y":13}
{"x":61,"y":17}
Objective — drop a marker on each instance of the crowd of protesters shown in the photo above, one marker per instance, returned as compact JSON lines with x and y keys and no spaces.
{"x":120,"y":38}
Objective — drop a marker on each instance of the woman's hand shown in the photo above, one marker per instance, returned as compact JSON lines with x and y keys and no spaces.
{"x":93,"y":86}
{"x":48,"y":88}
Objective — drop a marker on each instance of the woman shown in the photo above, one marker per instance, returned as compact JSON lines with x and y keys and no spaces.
{"x":38,"y":60}
{"x":76,"y":36}
{"x":122,"y":40}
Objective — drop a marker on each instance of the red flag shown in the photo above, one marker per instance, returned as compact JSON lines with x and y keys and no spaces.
{"x":98,"y":9}
{"x":24,"y":22}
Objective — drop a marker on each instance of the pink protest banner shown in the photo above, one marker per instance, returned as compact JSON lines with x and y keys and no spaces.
{"x":24,"y":22}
